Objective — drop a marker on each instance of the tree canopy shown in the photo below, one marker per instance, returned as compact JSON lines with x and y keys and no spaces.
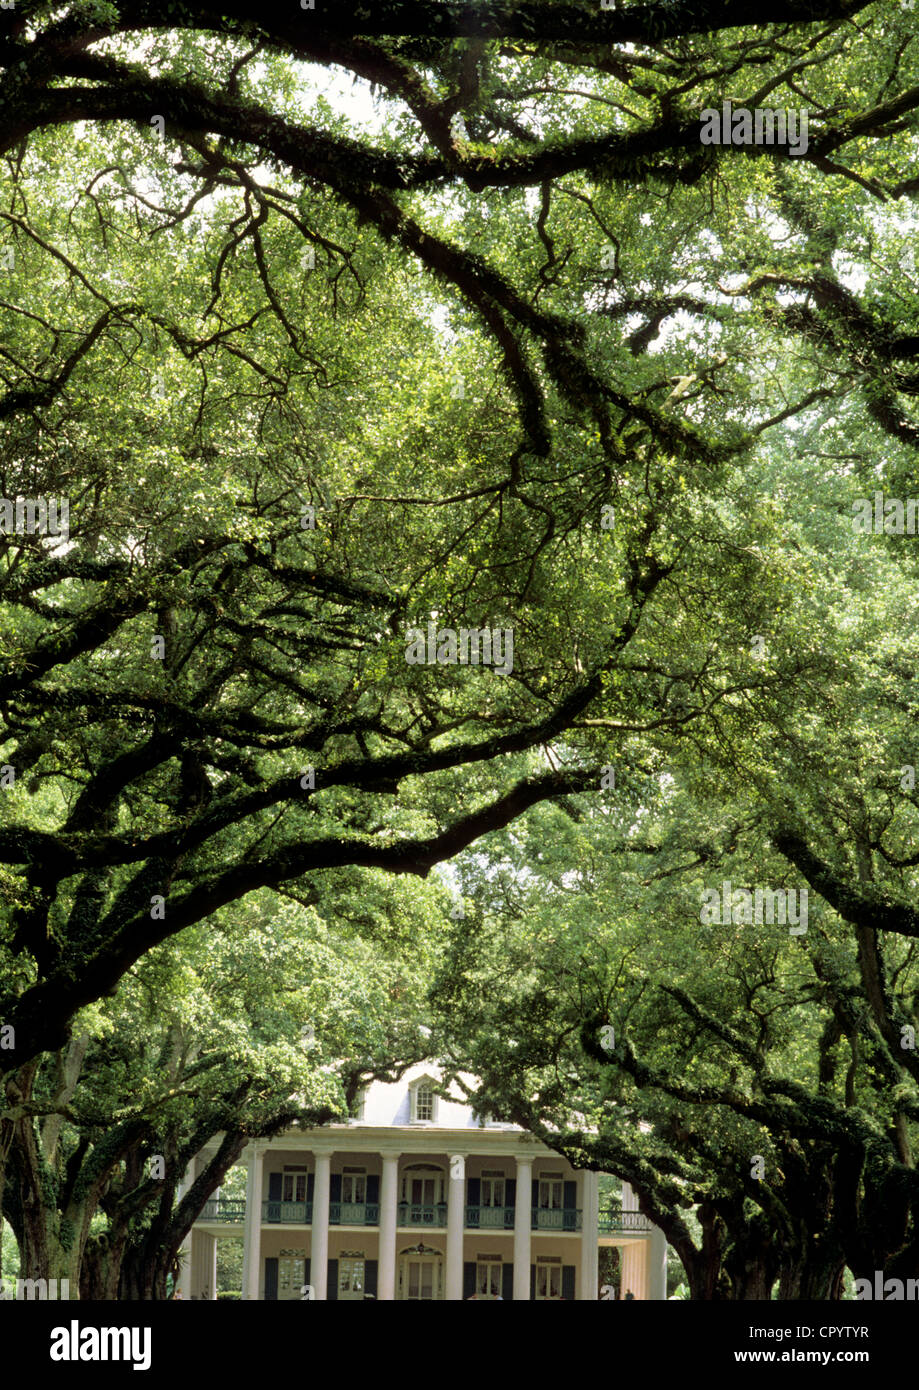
{"x":492,"y":345}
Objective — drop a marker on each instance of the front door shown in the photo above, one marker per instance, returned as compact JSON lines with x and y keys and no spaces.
{"x":421,"y":1278}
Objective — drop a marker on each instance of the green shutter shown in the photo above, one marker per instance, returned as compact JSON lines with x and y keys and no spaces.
{"x":271,"y":1280}
{"x":507,"y":1283}
{"x":468,"y":1279}
{"x":568,"y":1283}
{"x":332,"y":1294}
{"x":274,"y":1197}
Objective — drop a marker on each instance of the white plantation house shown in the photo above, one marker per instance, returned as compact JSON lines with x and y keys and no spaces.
{"x":418,"y":1198}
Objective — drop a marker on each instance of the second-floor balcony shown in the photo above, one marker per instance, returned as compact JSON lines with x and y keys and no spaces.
{"x":287,"y":1213}
{"x":221,"y":1209}
{"x":614,"y":1220}
{"x":489,"y":1218}
{"x":422,"y":1214}
{"x":414,"y":1214}
{"x":340,"y":1213}
{"x":556,"y":1219}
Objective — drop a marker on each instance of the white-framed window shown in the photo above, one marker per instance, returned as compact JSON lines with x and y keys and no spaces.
{"x":351,"y":1270}
{"x":423,"y":1101}
{"x":488,"y":1276}
{"x":360,"y":1102}
{"x":354,"y":1185}
{"x":548,"y":1277}
{"x":487,"y":1121}
{"x":492,"y":1189}
{"x":550,"y":1192}
{"x":293,"y":1187}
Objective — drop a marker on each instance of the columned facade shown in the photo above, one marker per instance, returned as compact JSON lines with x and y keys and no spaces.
{"x":417,"y":1200}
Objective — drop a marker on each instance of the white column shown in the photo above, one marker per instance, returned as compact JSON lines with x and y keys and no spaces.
{"x":456,"y":1211}
{"x":183,"y":1288}
{"x":590,"y":1235}
{"x":389,"y":1204}
{"x":252,"y":1233}
{"x":633,"y":1269}
{"x":319,"y":1249}
{"x":203,"y":1266}
{"x":656,"y":1277}
{"x":522,"y":1219}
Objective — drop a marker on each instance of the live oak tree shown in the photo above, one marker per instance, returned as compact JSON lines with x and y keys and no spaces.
{"x":765,"y":1080}
{"x":269,"y":1019}
{"x":503,"y":362}
{"x":89,"y":341}
{"x":726,"y":1072}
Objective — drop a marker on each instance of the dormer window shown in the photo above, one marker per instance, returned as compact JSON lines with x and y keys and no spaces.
{"x":423,"y":1101}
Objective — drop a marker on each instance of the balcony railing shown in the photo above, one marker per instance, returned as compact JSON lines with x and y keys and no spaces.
{"x":555,"y":1219}
{"x":477,"y":1218}
{"x":291,"y":1213}
{"x":490,"y":1218}
{"x":422,"y":1214}
{"x":614,"y":1219}
{"x":354,"y":1213}
{"x":216,"y":1209}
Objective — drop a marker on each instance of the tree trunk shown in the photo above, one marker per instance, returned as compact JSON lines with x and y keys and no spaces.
{"x":705,"y":1272}
{"x":818,"y":1277}
{"x":100,"y":1272}
{"x":145,"y":1270}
